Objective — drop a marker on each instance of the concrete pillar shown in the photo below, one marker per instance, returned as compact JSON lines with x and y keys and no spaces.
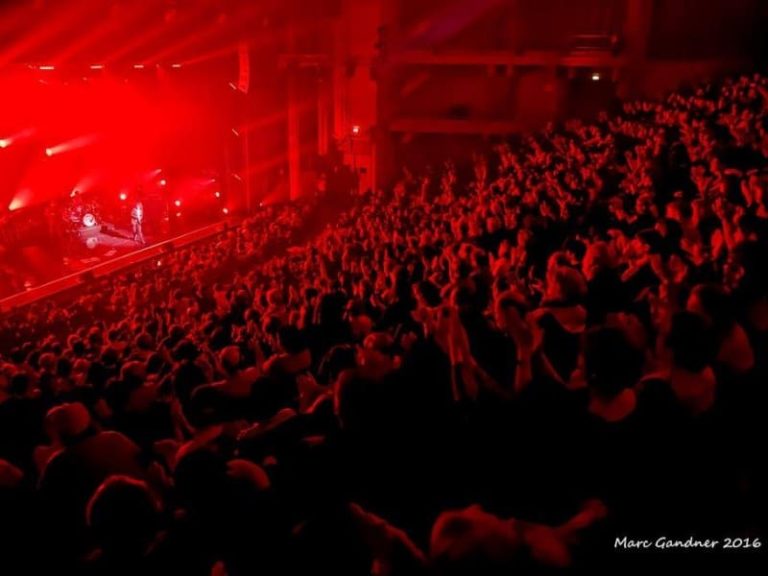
{"x":247,"y":176}
{"x":637,"y":25}
{"x":294,"y":139}
{"x":339,"y":82}
{"x":323,"y":115}
{"x":386,"y":95}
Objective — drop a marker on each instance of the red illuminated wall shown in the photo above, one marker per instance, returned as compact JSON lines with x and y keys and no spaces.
{"x":105,"y":131}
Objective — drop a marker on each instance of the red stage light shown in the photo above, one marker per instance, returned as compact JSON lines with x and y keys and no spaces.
{"x":178,"y":214}
{"x":163,"y":182}
{"x":176,"y":66}
{"x":10,"y":139}
{"x":123,"y":196}
{"x":47,"y":67}
{"x":595,"y":76}
{"x":235,"y":132}
{"x":21,"y":199}
{"x":138,"y":66}
{"x":217,"y":194}
{"x":225,"y":210}
{"x":97,"y":66}
{"x":355,"y":129}
{"x":177,"y":203}
{"x":68,"y":146}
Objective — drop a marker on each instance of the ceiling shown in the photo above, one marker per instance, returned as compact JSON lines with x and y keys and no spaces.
{"x":35,"y":32}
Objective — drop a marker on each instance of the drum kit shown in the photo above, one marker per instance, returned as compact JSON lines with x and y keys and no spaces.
{"x":82,"y":215}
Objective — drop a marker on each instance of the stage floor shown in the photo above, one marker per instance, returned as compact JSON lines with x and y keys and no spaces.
{"x":107,"y":241}
{"x":98,"y":244}
{"x":39,"y":263}
{"x":111,"y":250}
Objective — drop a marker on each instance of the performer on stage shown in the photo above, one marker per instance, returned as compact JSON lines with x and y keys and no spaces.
{"x":137,"y":218}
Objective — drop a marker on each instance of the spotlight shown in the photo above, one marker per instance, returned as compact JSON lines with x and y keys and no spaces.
{"x":177,"y":203}
{"x":74,"y":193}
{"x":21,"y":199}
{"x":225,"y":211}
{"x":123,"y":196}
{"x":217,"y":194}
{"x":97,"y":66}
{"x":159,"y":263}
{"x":235,"y":132}
{"x":233,"y":86}
{"x":138,"y":66}
{"x":69,"y":145}
{"x":595,"y":76}
{"x":355,"y":129}
{"x":4,"y":143}
{"x":177,"y":66}
{"x":163,"y":182}
{"x":47,"y":68}
{"x":178,"y":214}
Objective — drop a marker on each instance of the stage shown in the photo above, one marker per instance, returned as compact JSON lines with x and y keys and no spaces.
{"x":43,"y":244}
{"x":48,"y":257}
{"x":112,"y":250}
{"x":106,"y":241}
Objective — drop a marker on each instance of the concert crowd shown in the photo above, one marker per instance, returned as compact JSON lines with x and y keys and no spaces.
{"x":497,"y":367}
